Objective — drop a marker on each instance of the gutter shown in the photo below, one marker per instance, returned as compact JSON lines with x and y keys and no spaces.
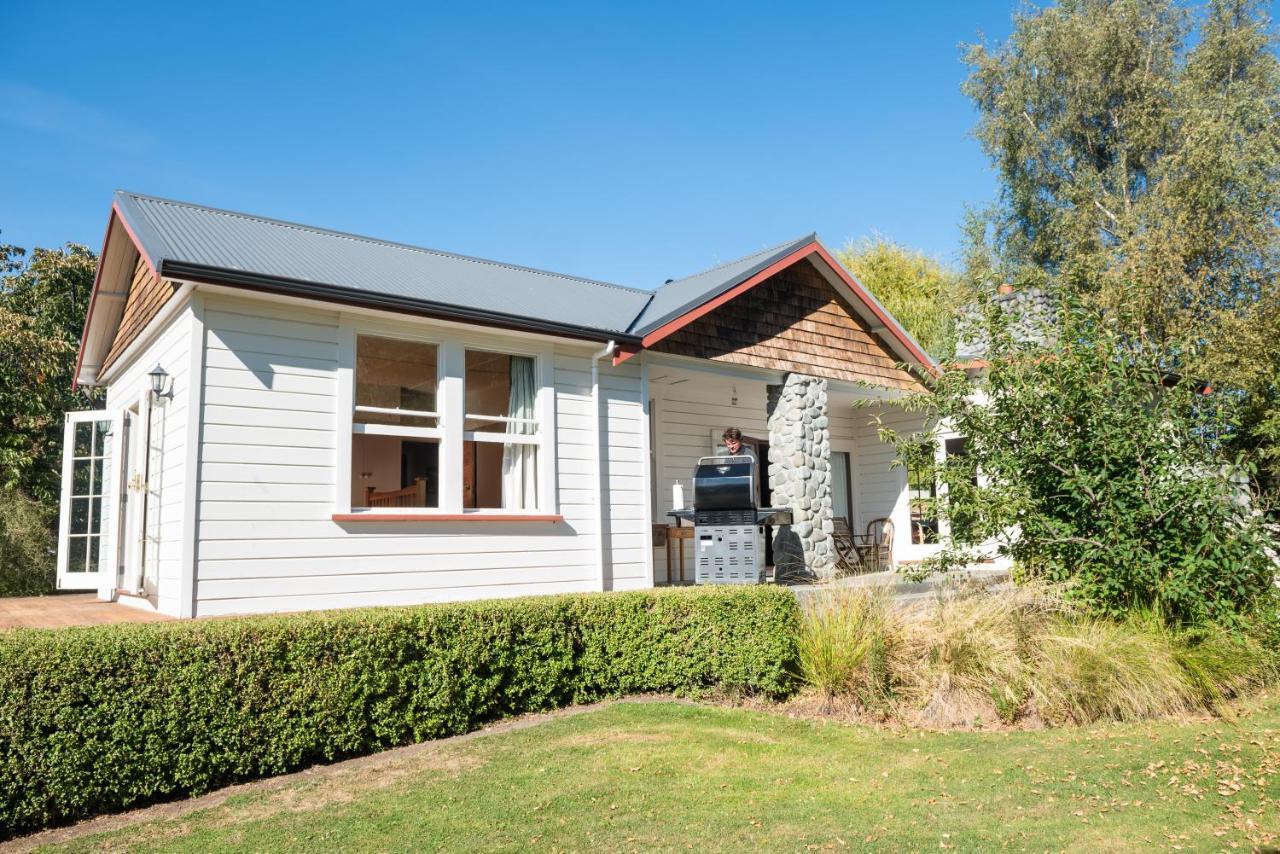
{"x":603,"y":353}
{"x":183,"y":270}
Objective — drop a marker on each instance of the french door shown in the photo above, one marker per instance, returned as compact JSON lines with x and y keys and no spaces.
{"x":91,"y":488}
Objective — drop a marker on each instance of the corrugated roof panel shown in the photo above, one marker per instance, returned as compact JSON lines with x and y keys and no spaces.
{"x":675,"y":298}
{"x":236,"y":242}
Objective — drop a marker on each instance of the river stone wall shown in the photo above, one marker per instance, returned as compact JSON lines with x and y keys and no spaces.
{"x":800,"y":476}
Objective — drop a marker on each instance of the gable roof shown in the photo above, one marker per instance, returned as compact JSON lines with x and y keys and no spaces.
{"x":183,"y":241}
{"x":681,"y":295}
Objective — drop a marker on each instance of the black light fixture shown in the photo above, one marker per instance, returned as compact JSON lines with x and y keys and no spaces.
{"x":158,"y":376}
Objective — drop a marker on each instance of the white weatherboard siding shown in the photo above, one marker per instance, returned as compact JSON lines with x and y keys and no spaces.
{"x":879,"y":487}
{"x":686,"y":415}
{"x":166,"y":509}
{"x":269,"y":481}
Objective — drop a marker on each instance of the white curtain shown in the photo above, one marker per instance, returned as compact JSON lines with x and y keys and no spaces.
{"x":519,"y":461}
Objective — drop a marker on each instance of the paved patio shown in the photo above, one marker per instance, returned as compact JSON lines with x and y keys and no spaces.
{"x":68,"y":609}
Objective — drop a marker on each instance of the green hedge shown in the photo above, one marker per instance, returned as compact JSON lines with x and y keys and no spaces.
{"x":98,"y":719}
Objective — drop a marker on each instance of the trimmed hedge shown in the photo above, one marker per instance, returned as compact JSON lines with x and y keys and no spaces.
{"x":97,"y":719}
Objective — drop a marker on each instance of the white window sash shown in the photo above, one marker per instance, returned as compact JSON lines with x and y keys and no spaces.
{"x":397,"y":430}
{"x":500,"y":419}
{"x":390,"y":410}
{"x":504,"y":438}
{"x":451,"y":415}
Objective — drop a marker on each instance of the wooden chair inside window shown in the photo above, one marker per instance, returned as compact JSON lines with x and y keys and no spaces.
{"x":875,"y":548}
{"x":410,"y":496}
{"x":848,"y":561}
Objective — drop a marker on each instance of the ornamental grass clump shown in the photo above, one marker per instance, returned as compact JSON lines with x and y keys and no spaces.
{"x":1088,"y":669}
{"x":1025,"y":655}
{"x":963,"y":655}
{"x":842,"y":643}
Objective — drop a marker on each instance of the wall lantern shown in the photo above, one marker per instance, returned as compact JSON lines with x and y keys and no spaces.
{"x":158,"y":376}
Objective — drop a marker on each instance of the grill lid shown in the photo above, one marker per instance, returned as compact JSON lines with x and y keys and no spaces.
{"x":724,"y":483}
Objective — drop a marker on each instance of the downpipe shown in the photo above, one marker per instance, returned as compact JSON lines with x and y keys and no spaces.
{"x":595,"y":432}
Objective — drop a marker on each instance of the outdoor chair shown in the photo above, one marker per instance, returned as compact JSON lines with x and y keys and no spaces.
{"x":848,"y":561}
{"x":875,"y":548}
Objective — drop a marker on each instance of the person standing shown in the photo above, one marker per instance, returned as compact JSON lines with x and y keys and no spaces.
{"x":732,"y":437}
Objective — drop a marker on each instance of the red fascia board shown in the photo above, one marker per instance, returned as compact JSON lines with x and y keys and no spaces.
{"x":883,"y":316}
{"x":715,"y":302}
{"x":114,"y":217}
{"x":150,"y":262}
{"x":446,"y":517}
{"x":776,"y":267}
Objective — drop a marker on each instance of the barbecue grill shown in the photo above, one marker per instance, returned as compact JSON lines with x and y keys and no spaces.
{"x":728,"y":537}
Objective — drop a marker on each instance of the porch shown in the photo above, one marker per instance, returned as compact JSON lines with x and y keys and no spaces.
{"x":692,"y":403}
{"x":64,"y":610}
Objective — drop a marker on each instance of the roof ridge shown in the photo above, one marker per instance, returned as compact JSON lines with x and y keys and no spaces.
{"x":741,"y":258}
{"x":346,"y":235}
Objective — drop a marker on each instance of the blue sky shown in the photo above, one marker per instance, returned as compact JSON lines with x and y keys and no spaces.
{"x":628,"y":143}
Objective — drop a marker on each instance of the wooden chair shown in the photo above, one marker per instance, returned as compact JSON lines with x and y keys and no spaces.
{"x":875,"y":548}
{"x":848,"y":561}
{"x":410,"y":496}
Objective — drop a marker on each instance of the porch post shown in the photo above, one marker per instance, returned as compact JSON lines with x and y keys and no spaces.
{"x":800,"y":476}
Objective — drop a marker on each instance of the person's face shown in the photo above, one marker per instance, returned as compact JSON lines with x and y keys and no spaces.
{"x":733,"y":445}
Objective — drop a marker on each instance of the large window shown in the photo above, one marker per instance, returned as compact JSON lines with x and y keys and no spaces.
{"x":444,"y":426}
{"x":500,"y":438}
{"x":395,"y":446}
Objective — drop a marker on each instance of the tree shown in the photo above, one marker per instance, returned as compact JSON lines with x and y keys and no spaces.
{"x":1137,"y":145}
{"x":42,"y":308}
{"x":916,"y":289}
{"x":1089,"y":465}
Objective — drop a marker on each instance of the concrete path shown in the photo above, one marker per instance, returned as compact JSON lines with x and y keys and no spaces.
{"x":905,"y":590}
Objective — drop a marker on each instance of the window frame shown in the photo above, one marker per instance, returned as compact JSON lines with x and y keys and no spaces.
{"x":451,"y":347}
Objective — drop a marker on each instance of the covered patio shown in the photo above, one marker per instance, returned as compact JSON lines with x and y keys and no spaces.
{"x":691,"y":403}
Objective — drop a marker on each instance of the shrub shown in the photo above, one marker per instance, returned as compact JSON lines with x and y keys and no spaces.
{"x":26,"y":546}
{"x":1088,"y":462}
{"x":98,"y":719}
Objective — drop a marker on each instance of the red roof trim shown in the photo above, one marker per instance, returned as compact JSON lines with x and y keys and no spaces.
{"x":710,"y":305}
{"x":883,"y":316}
{"x":115,"y":216}
{"x":813,"y":248}
{"x":151,"y":265}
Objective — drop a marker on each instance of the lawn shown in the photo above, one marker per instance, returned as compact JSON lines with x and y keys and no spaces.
{"x":667,"y":775}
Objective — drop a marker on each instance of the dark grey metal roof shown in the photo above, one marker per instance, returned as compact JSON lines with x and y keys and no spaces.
{"x":202,"y":244}
{"x":188,"y":241}
{"x":677,"y":297}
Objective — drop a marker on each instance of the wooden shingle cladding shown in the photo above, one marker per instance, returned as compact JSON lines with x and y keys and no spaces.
{"x":794,"y":321}
{"x":147,"y":295}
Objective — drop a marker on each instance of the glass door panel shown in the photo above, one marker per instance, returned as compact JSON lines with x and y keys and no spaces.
{"x":87,"y":499}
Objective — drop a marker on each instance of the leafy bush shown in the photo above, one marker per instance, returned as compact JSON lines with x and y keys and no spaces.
{"x":1088,"y":461}
{"x":103,"y":718}
{"x":26,"y":546}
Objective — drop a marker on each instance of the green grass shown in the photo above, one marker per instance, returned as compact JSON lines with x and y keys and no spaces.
{"x":671,"y":776}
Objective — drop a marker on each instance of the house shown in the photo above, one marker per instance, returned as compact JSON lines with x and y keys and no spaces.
{"x":299,"y":418}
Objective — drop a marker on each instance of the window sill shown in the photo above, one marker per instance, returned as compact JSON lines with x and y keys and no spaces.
{"x":447,"y":517}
